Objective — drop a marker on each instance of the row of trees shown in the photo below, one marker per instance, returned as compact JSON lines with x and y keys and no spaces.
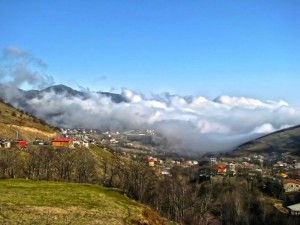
{"x":180,"y":197}
{"x":48,"y":163}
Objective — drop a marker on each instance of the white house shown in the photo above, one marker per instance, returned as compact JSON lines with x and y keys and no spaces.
{"x":295,"y":209}
{"x":291,"y":185}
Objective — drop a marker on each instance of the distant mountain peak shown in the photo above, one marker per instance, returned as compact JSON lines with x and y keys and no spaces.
{"x":60,"y":89}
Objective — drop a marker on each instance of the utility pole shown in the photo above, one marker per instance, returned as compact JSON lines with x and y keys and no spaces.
{"x":16,"y":132}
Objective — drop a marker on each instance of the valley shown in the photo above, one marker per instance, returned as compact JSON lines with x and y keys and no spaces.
{"x":69,"y":175}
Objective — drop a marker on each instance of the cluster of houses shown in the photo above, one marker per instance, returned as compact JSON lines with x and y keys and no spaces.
{"x":69,"y":142}
{"x":70,"y":138}
{"x":12,"y":143}
{"x":164,"y":165}
{"x":153,"y":161}
{"x":57,"y":142}
{"x":285,"y":170}
{"x":281,"y":168}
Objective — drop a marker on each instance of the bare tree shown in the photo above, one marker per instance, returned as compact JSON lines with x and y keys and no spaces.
{"x":64,"y":163}
{"x":84,"y":166}
{"x":140,"y":181}
{"x":11,"y":163}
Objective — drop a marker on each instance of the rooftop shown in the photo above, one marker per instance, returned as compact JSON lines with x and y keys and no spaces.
{"x":63,"y":139}
{"x":291,"y":181}
{"x":295,"y":207}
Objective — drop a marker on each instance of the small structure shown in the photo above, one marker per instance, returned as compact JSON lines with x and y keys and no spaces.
{"x":189,"y":163}
{"x":294,"y":209}
{"x":195,"y":162}
{"x":231,"y":167}
{"x":22,"y":144}
{"x":213,"y":159}
{"x":291,"y":185}
{"x":151,"y":162}
{"x":221,"y":170}
{"x":283,"y":175}
{"x":13,"y":144}
{"x":63,"y":142}
{"x":166,"y":173}
{"x":85,"y":144}
{"x":6,"y":144}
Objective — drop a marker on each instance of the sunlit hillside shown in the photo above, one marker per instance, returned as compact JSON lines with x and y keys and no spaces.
{"x":41,"y":202}
{"x":15,"y":124}
{"x":286,"y":140}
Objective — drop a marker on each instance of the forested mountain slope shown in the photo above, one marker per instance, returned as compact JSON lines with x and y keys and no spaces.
{"x":286,"y":140}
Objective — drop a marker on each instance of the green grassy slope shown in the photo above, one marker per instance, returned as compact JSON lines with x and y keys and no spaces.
{"x":286,"y":140}
{"x":100,"y":153}
{"x":41,"y":202}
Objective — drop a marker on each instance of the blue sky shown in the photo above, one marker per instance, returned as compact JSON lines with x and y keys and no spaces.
{"x":208,"y":48}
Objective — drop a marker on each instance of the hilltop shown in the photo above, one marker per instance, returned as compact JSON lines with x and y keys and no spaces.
{"x":285,"y":140}
{"x":17,"y":124}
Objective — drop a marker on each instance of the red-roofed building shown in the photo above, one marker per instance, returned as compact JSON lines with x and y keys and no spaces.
{"x":22,"y":144}
{"x":151,"y":162}
{"x":221,"y":170}
{"x":291,"y":185}
{"x":13,"y":144}
{"x":63,"y":142}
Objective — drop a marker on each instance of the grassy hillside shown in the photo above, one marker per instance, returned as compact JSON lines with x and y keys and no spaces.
{"x":15,"y":123}
{"x":286,"y":140}
{"x":41,"y":202}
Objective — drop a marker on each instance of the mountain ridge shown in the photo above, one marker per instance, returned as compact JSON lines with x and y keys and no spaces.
{"x":59,"y":89}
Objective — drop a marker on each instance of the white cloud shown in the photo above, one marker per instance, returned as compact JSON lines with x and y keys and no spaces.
{"x":130,"y":96}
{"x":19,"y":68}
{"x":195,"y":122}
{"x":264,"y":129}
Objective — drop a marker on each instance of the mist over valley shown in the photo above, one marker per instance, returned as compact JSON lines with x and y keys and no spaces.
{"x":194,"y":123}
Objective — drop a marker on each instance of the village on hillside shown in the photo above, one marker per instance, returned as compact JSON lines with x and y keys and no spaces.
{"x":276,"y":173}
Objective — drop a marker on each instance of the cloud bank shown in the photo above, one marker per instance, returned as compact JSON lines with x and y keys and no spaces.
{"x":19,"y":68}
{"x":194,"y":123}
